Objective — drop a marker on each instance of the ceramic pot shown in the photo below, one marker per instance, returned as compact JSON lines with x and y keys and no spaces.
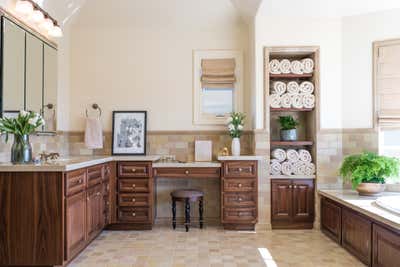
{"x":21,"y":150}
{"x":289,"y":135}
{"x":370,"y":189}
{"x":235,"y":146}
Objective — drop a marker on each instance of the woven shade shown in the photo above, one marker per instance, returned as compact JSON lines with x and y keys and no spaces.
{"x":218,"y":73}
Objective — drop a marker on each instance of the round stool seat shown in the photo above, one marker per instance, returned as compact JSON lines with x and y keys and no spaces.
{"x":187,"y":193}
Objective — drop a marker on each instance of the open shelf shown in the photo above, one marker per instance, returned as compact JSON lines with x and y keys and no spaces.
{"x":291,"y":143}
{"x":292,"y":176}
{"x":291,"y":75}
{"x":291,"y":109}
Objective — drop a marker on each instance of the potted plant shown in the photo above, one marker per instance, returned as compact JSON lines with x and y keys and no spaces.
{"x":21,"y":127}
{"x":235,"y":127}
{"x":368,"y":172}
{"x":288,"y":128}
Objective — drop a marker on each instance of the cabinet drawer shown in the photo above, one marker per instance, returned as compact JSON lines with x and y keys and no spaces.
{"x":95,"y":175}
{"x":239,"y":185}
{"x":134,"y":200}
{"x":134,"y":169}
{"x":240,"y":215}
{"x":134,"y":214}
{"x":187,"y":172}
{"x":240,"y":169}
{"x":134,"y":185}
{"x":75,"y":181}
{"x":239,"y":200}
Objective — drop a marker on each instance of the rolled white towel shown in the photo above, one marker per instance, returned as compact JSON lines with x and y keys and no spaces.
{"x":297,"y":101}
{"x":292,"y":155}
{"x":306,"y":87}
{"x":305,"y":156}
{"x":274,"y":67}
{"x":286,"y":101}
{"x":293,"y":87}
{"x":299,"y":168}
{"x":276,"y":167}
{"x":308,"y":100}
{"x":285,"y":66}
{"x":279,"y":154}
{"x":296,"y":67}
{"x":287,"y":168}
{"x":308,"y":64}
{"x":279,"y":88}
{"x":275,"y":101}
{"x":309,"y":168}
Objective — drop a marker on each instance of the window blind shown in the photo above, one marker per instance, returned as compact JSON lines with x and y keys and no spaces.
{"x":388,"y":86}
{"x":218,"y":73}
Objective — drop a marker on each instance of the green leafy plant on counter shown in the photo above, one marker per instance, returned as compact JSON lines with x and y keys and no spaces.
{"x":288,"y":122}
{"x":369,"y":168}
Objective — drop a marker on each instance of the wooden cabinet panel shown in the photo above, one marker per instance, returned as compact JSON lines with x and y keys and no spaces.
{"x":356,"y":235}
{"x":134,"y":215}
{"x":95,"y":175}
{"x":303,"y":200}
{"x":134,"y":200}
{"x":239,"y":199}
{"x":282,"y":200}
{"x":239,"y":215}
{"x":94,"y":212}
{"x":75,"y":224}
{"x":239,"y":185}
{"x":331,"y":219}
{"x":134,"y":185}
{"x":107,"y":172}
{"x":386,"y":247}
{"x":75,"y":181}
{"x":240,"y":169}
{"x":134,"y":169}
{"x":187,"y":172}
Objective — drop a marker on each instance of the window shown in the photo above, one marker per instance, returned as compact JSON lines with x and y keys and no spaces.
{"x":217,"y":85}
{"x":389,"y":144}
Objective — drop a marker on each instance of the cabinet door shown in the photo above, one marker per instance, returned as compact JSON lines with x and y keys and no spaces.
{"x":386,"y":247}
{"x":331,"y":220}
{"x":75,"y":224}
{"x":34,"y":73}
{"x":50,"y":87}
{"x":95,"y":212}
{"x":303,"y":200}
{"x":356,"y":235}
{"x":282,"y":200}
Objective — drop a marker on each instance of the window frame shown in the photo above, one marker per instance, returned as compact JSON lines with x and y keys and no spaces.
{"x":200,"y":118}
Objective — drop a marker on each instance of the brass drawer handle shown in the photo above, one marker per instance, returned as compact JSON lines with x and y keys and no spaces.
{"x":186,"y":172}
{"x":133,"y":200}
{"x":240,"y":169}
{"x":133,"y":214}
{"x":80,"y":181}
{"x":98,"y":194}
{"x":133,"y":185}
{"x":295,"y":186}
{"x":240,"y":199}
{"x":240,"y":185}
{"x":133,"y":170}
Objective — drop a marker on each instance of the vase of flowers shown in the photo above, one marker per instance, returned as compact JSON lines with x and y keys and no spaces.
{"x":235,"y":127}
{"x":21,"y":127}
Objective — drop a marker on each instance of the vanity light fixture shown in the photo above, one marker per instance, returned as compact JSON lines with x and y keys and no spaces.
{"x":32,"y":12}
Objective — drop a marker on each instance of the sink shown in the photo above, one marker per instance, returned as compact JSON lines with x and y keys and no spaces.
{"x":391,"y":203}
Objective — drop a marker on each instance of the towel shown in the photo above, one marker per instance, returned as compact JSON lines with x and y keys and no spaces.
{"x":308,"y":64}
{"x":276,"y":167}
{"x":279,"y":88}
{"x":275,"y":101}
{"x":308,"y":101}
{"x":309,"y":169}
{"x":305,"y":156}
{"x":279,"y":154}
{"x":292,"y":155}
{"x":274,"y":67}
{"x":297,"y":101}
{"x":284,"y":66}
{"x":93,"y":133}
{"x":293,"y":87}
{"x":286,"y":101}
{"x":306,"y":87}
{"x":296,"y":67}
{"x":299,"y":168}
{"x":287,"y":168}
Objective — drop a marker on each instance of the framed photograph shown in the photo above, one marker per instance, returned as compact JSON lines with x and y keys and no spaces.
{"x":129,"y":132}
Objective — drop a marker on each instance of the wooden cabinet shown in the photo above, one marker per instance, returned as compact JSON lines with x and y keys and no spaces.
{"x":188,"y":172}
{"x":331,"y":219}
{"x":386,"y":247}
{"x":292,"y":203}
{"x":94,"y":212}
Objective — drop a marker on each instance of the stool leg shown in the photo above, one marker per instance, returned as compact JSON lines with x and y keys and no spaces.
{"x":187,"y":214}
{"x":201,"y":212}
{"x":173,"y":214}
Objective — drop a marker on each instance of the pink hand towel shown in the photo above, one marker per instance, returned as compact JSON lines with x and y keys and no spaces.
{"x":93,"y":133}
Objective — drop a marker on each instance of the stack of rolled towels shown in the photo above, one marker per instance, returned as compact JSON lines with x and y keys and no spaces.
{"x":292,"y":94}
{"x":285,"y":66}
{"x":291,"y":162}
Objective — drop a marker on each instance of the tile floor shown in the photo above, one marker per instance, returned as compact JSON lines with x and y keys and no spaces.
{"x":214,"y":247}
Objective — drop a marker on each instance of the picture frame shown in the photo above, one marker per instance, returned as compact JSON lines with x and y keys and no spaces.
{"x":129,"y":133}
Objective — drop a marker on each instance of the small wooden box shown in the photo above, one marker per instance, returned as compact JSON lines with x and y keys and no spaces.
{"x":203,"y":150}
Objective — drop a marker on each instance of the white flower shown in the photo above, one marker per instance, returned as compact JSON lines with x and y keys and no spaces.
{"x":33,"y":121}
{"x":231,"y":127}
{"x":240,"y":127}
{"x":42,"y":122}
{"x":23,"y":113}
{"x":229,"y":120}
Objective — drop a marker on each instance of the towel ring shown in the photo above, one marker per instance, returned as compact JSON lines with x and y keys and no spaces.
{"x":95,"y":107}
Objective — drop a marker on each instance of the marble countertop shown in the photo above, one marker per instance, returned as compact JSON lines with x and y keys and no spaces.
{"x":186,"y":165}
{"x":364,"y":205}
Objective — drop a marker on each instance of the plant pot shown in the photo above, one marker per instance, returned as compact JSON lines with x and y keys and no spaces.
{"x":235,"y":147}
{"x":370,"y":189}
{"x":289,"y":135}
{"x":21,"y":150}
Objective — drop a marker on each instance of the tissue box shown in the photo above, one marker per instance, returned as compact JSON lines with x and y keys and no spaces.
{"x":203,"y":150}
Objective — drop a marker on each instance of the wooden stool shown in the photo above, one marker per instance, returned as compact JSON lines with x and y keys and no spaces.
{"x":187,"y":196}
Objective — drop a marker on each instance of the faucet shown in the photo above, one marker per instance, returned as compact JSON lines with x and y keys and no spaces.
{"x":45,"y":157}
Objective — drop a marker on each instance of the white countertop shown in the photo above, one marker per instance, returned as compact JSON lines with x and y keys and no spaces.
{"x":244,"y":157}
{"x":186,"y":165}
{"x":364,"y":205}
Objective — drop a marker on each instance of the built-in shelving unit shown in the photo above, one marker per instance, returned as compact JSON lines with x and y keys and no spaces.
{"x":291,"y":109}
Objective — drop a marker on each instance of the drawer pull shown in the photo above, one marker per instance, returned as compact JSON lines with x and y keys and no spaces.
{"x":133,"y":214}
{"x":240,"y":214}
{"x":133,"y":170}
{"x":186,"y":172}
{"x":80,"y":181}
{"x":240,"y":185}
{"x":240,"y":199}
{"x":108,"y":203}
{"x":133,"y":185}
{"x":133,"y":200}
{"x":98,"y":194}
{"x":240,"y":169}
{"x":295,"y":186}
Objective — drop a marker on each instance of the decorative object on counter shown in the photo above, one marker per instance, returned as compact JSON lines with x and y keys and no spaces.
{"x":129,"y":132}
{"x":368,"y":172}
{"x":94,"y":130}
{"x":21,"y":127}
{"x":291,"y":162}
{"x":235,"y":127}
{"x":203,"y":151}
{"x":288,"y":128}
{"x":286,"y":66}
{"x":224,"y":152}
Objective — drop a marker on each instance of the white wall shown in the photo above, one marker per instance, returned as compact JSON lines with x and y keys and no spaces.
{"x":359,"y":32}
{"x":137,"y":55}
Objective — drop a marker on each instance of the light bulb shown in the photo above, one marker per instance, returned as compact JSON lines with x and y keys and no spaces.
{"x":24,"y":7}
{"x":37,"y":17}
{"x":47,"y":24}
{"x":56,"y":31}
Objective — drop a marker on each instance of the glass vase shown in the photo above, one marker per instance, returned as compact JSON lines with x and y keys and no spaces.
{"x":21,"y":150}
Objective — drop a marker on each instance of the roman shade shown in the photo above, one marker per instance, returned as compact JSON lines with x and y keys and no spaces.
{"x":218,"y":73}
{"x":388,"y":85}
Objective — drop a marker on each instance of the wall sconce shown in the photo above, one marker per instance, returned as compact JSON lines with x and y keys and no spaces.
{"x":33,"y":13}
